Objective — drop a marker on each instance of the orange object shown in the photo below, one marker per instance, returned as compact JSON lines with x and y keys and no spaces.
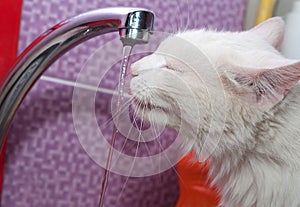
{"x":194,"y":185}
{"x":265,"y":11}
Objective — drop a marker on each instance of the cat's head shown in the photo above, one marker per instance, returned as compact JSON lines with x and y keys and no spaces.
{"x":181,"y":77}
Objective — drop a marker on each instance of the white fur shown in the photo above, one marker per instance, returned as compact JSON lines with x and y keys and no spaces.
{"x":256,"y":161}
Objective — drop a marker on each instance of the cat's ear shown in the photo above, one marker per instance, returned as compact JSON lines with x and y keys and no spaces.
{"x":265,"y":87}
{"x":271,"y":30}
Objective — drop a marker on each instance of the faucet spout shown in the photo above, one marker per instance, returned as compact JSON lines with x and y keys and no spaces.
{"x":133,"y":24}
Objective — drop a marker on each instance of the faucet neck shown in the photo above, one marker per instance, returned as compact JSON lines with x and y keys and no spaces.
{"x":46,"y":49}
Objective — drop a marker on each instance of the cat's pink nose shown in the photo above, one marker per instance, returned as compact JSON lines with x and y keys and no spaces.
{"x":133,"y":71}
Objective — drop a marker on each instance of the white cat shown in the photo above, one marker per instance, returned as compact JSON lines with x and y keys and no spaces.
{"x":256,"y":158}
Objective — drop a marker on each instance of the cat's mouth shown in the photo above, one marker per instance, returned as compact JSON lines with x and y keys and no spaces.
{"x":138,"y":114}
{"x":139,"y":104}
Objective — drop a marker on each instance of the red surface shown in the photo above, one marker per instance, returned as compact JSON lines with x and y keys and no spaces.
{"x":10,"y":14}
{"x":194,"y":184}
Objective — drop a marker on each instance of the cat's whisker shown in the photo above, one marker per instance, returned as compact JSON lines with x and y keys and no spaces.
{"x":147,"y":148}
{"x":188,"y":16}
{"x":142,"y":117}
{"x":178,"y":18}
{"x":174,"y":24}
{"x":166,"y":156}
{"x":123,"y":187}
{"x":107,"y":122}
{"x":134,"y":120}
{"x":173,"y":28}
{"x":130,"y":171}
{"x":156,"y":136}
{"x":137,"y":110}
{"x":143,"y":139}
{"x":136,"y":151}
{"x":162,"y":149}
{"x":115,"y":115}
{"x":138,"y":105}
{"x":123,"y":146}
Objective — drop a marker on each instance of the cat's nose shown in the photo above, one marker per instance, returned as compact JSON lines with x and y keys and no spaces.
{"x":133,"y":70}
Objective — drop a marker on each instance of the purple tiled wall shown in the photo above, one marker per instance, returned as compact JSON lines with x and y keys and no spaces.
{"x":46,"y":165}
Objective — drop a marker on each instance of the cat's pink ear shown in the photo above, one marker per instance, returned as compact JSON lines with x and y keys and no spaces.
{"x":265,"y":87}
{"x":271,"y":30}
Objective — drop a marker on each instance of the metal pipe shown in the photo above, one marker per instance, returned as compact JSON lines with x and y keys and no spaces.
{"x":133,"y":24}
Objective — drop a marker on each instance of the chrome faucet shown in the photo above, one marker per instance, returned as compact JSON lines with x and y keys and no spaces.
{"x":133,"y":24}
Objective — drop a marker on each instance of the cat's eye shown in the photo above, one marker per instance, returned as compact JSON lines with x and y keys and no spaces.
{"x":169,"y":67}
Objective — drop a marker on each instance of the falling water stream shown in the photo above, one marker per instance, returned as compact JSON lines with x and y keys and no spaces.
{"x":123,"y":71}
